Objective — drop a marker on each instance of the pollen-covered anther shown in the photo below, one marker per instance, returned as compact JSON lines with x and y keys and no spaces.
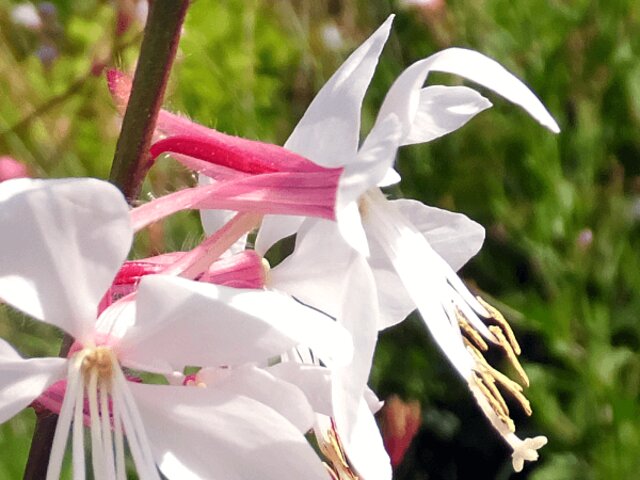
{"x":484,"y":369}
{"x":511,"y":355}
{"x":495,"y":401}
{"x":471,"y":332}
{"x":332,"y":449}
{"x":100,"y":360}
{"x":497,"y":317}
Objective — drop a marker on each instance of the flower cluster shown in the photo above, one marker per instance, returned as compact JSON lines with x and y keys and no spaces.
{"x":210,"y":364}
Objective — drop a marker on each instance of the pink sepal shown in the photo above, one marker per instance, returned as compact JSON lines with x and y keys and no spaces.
{"x":235,"y":153}
{"x":208,"y":151}
{"x":242,"y":270}
{"x":306,"y":194}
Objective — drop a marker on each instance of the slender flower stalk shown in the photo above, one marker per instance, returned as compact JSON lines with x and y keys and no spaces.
{"x":158,"y":50}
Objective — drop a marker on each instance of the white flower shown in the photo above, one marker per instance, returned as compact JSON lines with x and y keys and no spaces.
{"x":63,"y":241}
{"x":412,"y":250}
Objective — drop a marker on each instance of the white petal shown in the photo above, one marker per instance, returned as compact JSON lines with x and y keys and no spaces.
{"x":421,"y":272}
{"x":261,"y":385}
{"x":360,"y":318}
{"x":314,"y":381}
{"x":390,"y":178}
{"x":329,"y":131}
{"x":452,"y":235}
{"x":310,"y":273}
{"x":373,"y":162}
{"x":320,"y":256}
{"x":395,"y":304}
{"x":275,"y":228}
{"x":181,"y":322}
{"x":213,"y":220}
{"x":442,"y":110}
{"x":22,"y":381}
{"x":354,"y":420}
{"x":244,"y":439}
{"x":62,"y":243}
{"x":365,"y":448}
{"x":403,"y":99}
{"x":373,"y":402}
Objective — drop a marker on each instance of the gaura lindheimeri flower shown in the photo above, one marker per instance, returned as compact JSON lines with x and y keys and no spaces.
{"x":63,"y":242}
{"x":412,"y":250}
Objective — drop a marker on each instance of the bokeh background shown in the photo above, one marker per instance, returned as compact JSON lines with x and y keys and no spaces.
{"x":562,"y":213}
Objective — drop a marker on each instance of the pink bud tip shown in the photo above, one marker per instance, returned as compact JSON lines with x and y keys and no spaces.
{"x":10,"y":168}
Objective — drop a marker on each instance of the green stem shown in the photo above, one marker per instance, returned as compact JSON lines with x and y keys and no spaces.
{"x":158,"y":50}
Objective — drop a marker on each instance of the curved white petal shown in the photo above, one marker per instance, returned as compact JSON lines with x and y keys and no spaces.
{"x":403,"y":98}
{"x":22,"y":381}
{"x":442,"y":110}
{"x":181,"y":322}
{"x":372,"y":164}
{"x":354,"y":421}
{"x":320,"y":257}
{"x":261,"y":385}
{"x":62,"y":243}
{"x":311,"y":272}
{"x":423,"y":274}
{"x":395,"y":304}
{"x":453,"y":236}
{"x":329,"y":131}
{"x":208,"y":433}
{"x":275,"y":228}
{"x":365,"y":448}
{"x":314,"y":381}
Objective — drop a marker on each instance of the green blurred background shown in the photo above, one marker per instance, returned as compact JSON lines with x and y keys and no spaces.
{"x":562,"y":213}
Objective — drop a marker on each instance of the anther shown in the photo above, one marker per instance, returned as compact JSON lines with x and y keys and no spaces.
{"x":513,"y":359}
{"x":98,"y":359}
{"x":500,"y":320}
{"x":471,"y":332}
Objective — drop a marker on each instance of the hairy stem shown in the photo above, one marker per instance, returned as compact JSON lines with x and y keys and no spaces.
{"x":158,"y":50}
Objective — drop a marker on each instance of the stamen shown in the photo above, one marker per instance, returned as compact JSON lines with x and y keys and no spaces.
{"x":97,"y":448}
{"x":495,"y":314}
{"x":105,"y":419}
{"x":98,"y":359}
{"x":470,"y":331}
{"x":332,"y":448}
{"x":493,"y":402}
{"x":511,"y":355}
{"x":64,"y":422}
{"x":77,"y":441}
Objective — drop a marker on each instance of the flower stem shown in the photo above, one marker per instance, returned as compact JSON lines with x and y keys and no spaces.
{"x":158,"y":50}
{"x":130,"y":163}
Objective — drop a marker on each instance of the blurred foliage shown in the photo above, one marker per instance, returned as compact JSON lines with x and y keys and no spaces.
{"x":561,"y":212}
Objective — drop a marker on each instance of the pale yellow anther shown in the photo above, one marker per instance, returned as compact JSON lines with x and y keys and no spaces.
{"x":490,"y":383}
{"x":484,"y":369}
{"x":513,"y":359}
{"x":471,"y":332}
{"x":99,"y":360}
{"x":332,"y":448}
{"x":497,"y":316}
